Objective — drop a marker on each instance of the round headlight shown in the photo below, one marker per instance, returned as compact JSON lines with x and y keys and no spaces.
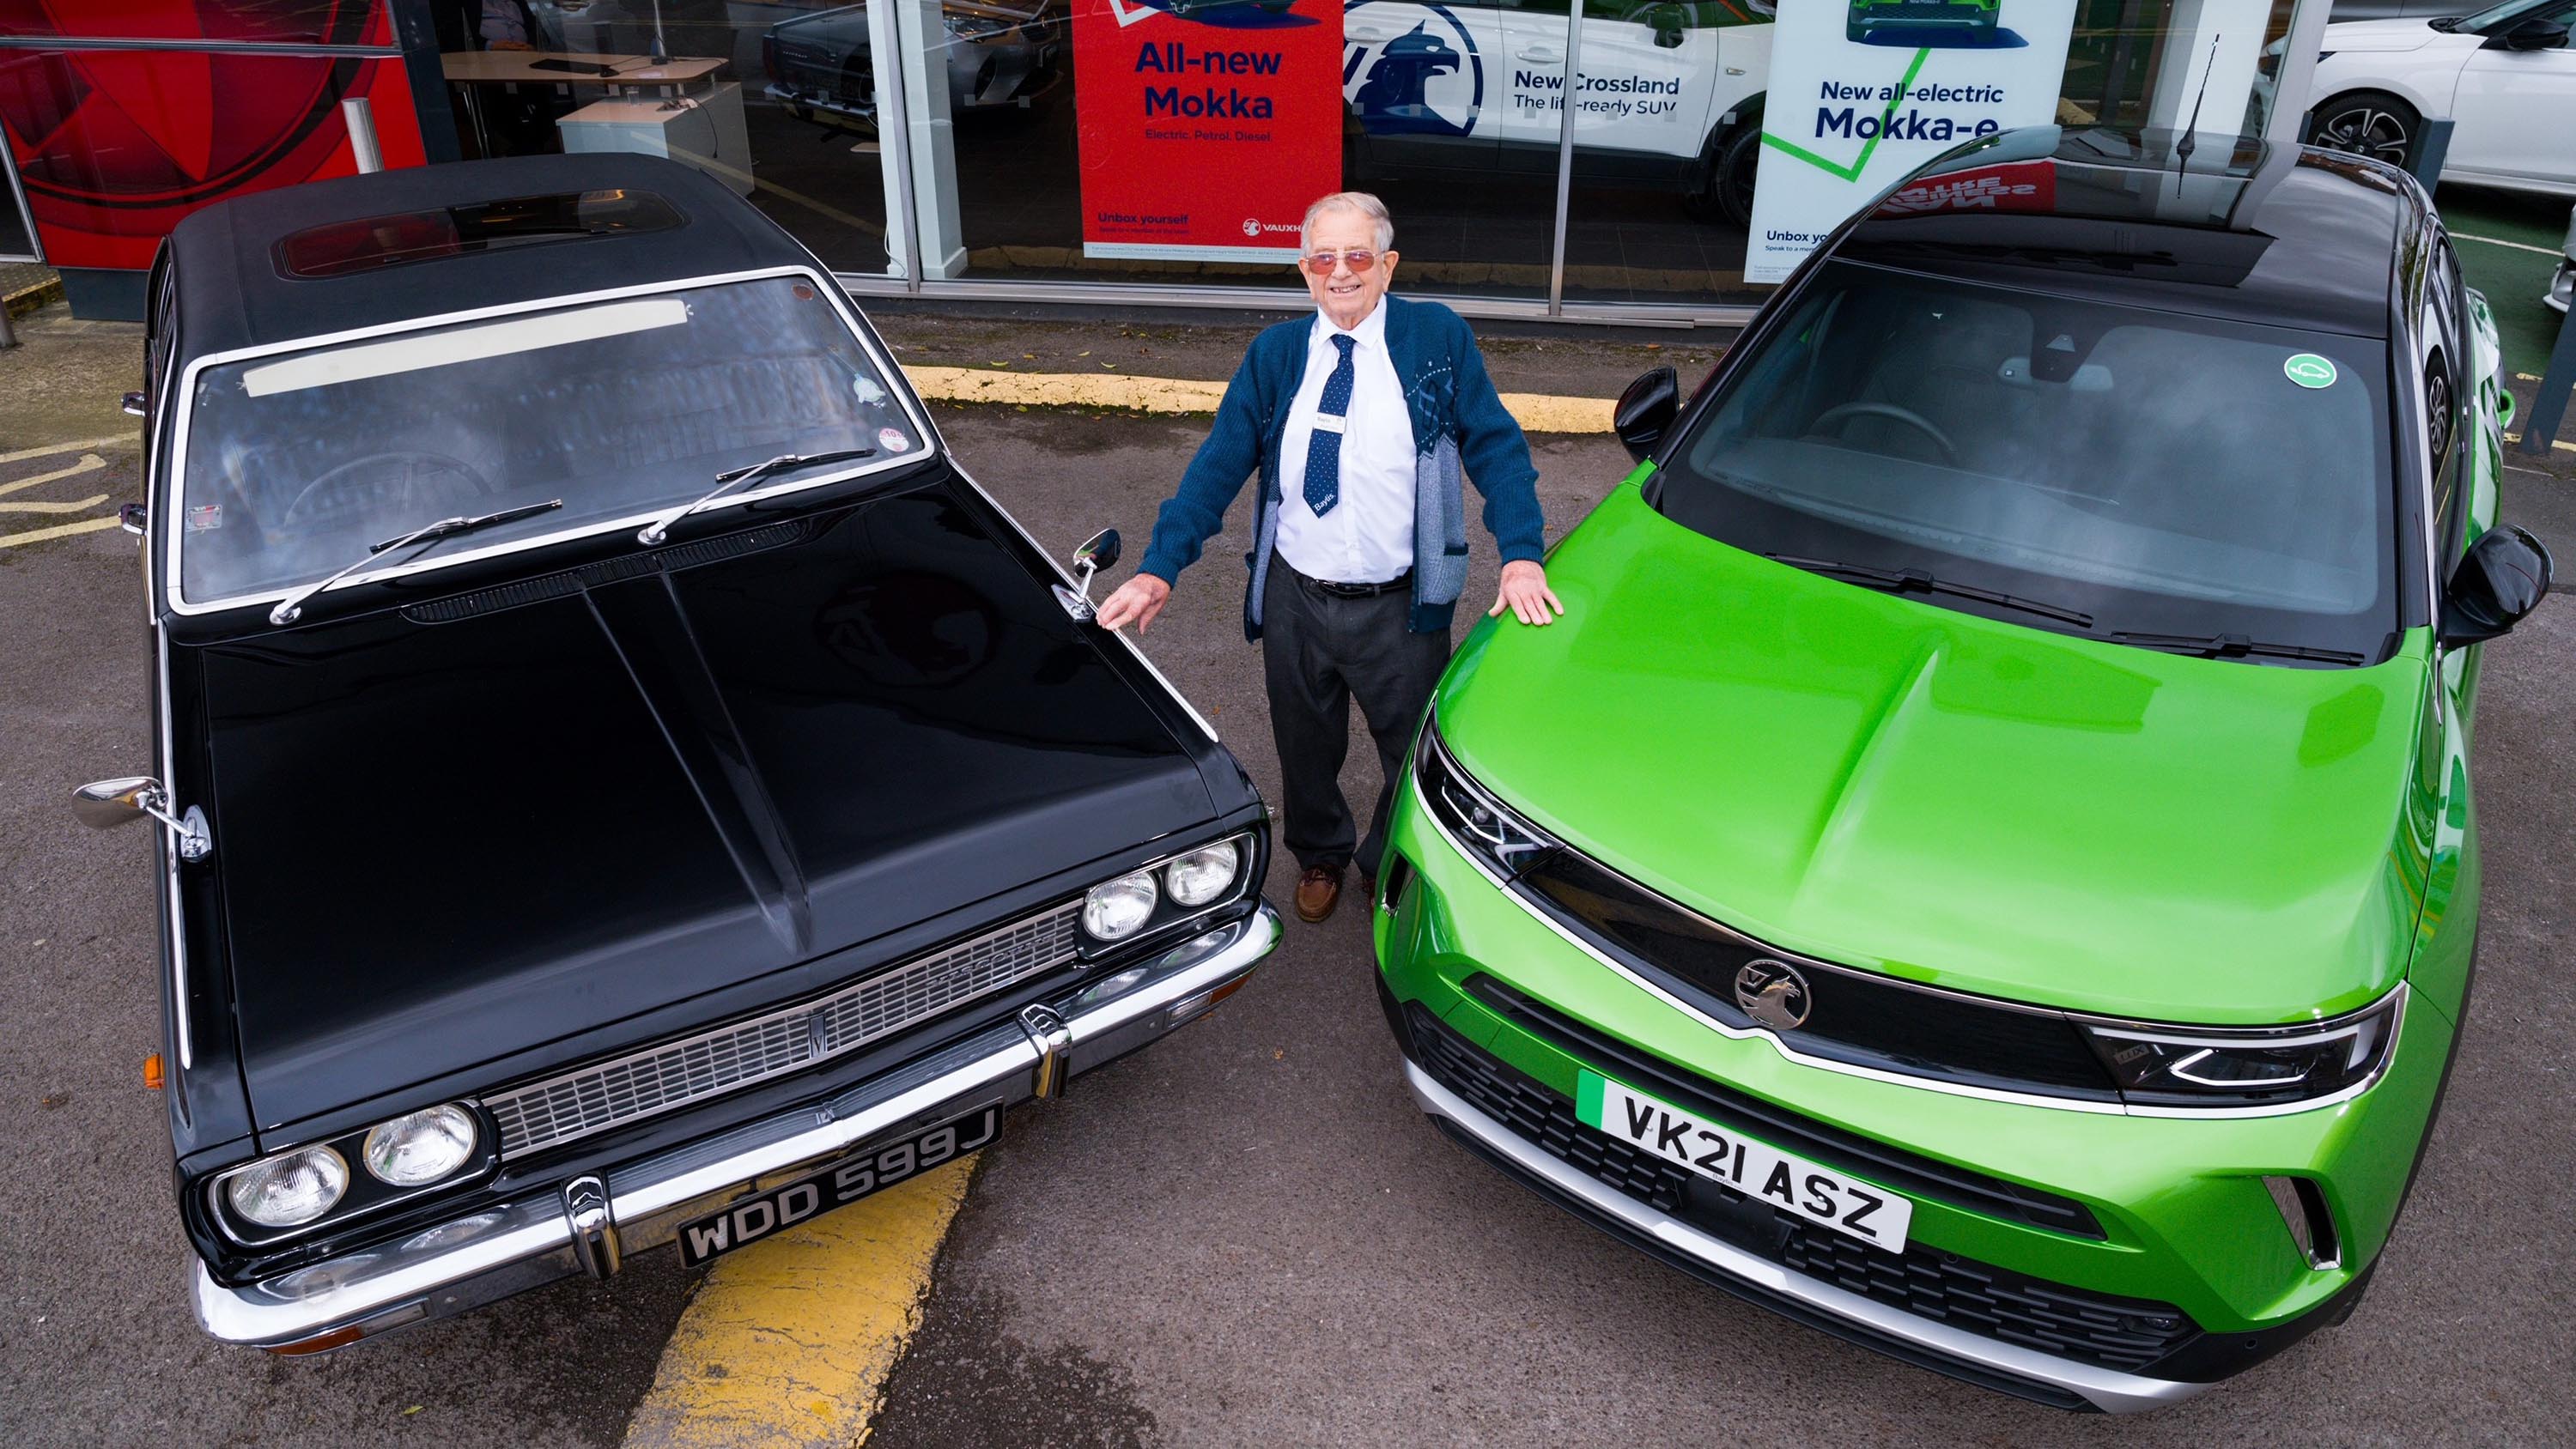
{"x":421,"y":1147}
{"x":1119,"y":908}
{"x":289,"y":1190}
{"x":1202,"y":875}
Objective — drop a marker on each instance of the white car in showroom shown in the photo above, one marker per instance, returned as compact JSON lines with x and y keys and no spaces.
{"x":2505,"y":76}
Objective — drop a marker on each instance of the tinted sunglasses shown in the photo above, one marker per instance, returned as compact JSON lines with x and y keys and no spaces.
{"x":1321,"y":263}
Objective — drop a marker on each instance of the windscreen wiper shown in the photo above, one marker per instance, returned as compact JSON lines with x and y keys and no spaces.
{"x":660,"y":528}
{"x":292,"y":605}
{"x":1900,"y":581}
{"x":2233,"y":646}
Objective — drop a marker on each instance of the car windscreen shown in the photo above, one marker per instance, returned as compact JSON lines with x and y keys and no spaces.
{"x":2161,"y":473}
{"x":297,"y":462}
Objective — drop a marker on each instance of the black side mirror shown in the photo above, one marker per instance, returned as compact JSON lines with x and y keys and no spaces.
{"x":1669,"y":24}
{"x":1646,"y":411}
{"x":2533,"y":33}
{"x":2502,"y":578}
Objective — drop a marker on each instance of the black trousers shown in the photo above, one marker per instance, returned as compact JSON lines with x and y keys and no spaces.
{"x":1319,"y":651}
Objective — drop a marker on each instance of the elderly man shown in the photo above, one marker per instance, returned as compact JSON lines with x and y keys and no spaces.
{"x":1360,"y":421}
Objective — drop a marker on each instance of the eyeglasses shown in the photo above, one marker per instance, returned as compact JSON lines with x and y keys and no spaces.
{"x":1321,"y":263}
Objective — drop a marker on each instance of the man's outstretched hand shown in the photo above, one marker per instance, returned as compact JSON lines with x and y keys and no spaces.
{"x":1140,"y":599}
{"x":1524,"y":592}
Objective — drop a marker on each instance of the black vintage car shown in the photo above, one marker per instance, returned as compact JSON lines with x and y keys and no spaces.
{"x":617,"y":779}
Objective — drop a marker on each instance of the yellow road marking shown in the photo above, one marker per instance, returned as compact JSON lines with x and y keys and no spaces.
{"x":59,"y":530}
{"x":121,"y":440}
{"x":789,"y":1342}
{"x":89,"y":463}
{"x":30,"y":505}
{"x":1536,"y":412}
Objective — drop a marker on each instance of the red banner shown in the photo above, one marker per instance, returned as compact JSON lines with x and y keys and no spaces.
{"x":2006,"y":186}
{"x":1207,"y":126}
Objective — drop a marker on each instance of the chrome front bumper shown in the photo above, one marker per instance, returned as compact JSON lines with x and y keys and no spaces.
{"x":2106,"y":1389}
{"x":586,"y":1225}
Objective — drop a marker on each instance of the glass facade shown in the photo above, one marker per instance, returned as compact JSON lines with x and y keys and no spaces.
{"x":1583,"y":157}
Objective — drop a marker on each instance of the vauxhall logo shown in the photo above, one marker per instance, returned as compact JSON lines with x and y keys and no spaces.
{"x":1773,"y":993}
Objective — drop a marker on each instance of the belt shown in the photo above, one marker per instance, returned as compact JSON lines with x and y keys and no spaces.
{"x":1359,"y":591}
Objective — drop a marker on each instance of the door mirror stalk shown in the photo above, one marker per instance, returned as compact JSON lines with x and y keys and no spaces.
{"x":105,"y":804}
{"x":1097,"y":552}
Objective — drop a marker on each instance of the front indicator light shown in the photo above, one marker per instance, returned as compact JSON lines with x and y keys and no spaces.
{"x":419,"y":1148}
{"x":1118,"y":909}
{"x":1204,"y":874}
{"x":2252,"y":1067}
{"x":289,"y":1190}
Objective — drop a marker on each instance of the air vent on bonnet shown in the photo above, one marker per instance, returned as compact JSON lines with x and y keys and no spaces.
{"x":573,"y":581}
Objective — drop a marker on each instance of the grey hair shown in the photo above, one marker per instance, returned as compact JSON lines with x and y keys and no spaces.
{"x":1382,"y":225}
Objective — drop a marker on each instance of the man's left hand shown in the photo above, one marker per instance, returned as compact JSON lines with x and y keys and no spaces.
{"x":1526,"y":594}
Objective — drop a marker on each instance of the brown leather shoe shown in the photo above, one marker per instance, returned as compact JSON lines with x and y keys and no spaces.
{"x":1318,"y":891}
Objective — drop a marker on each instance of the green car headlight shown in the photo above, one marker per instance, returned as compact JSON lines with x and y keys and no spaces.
{"x":1484,"y":826}
{"x":2257,"y":1066}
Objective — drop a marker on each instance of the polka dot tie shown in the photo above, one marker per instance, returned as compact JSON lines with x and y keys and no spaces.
{"x":1324,"y":445}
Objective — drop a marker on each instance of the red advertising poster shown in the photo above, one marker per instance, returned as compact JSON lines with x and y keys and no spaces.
{"x":1206,"y":125}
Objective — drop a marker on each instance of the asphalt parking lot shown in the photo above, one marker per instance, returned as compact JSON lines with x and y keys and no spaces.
{"x":1246,"y":1234}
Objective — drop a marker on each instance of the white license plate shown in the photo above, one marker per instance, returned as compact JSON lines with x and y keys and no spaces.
{"x":1758,"y":1170}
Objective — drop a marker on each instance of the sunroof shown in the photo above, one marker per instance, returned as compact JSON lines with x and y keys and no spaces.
{"x":370,"y":243}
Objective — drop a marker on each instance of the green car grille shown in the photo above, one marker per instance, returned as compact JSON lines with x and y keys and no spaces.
{"x":2126,"y":1334}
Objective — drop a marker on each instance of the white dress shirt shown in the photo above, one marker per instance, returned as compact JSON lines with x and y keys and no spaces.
{"x":1367,"y":538}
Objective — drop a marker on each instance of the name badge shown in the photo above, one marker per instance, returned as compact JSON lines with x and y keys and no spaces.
{"x":1329,"y":422}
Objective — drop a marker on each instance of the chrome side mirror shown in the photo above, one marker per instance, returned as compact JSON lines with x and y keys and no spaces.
{"x":103,"y":804}
{"x":133,"y":517}
{"x":1097,"y":552}
{"x":134,"y":404}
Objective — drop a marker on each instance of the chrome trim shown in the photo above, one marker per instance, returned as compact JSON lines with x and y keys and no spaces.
{"x":1826,"y":1064}
{"x":350,"y":1147}
{"x":470,"y":1261}
{"x":684,"y":1071}
{"x":1052,"y":1038}
{"x":2106,"y":1389}
{"x":594,"y":1232}
{"x":170,"y":867}
{"x":889,"y":371}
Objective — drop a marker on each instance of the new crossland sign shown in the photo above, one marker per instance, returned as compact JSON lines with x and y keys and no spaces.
{"x":1773,"y":993}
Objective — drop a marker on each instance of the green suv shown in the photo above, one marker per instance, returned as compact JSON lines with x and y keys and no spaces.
{"x":1985,"y":866}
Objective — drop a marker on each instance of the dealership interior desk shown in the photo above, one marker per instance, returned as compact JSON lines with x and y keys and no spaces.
{"x":671,"y":108}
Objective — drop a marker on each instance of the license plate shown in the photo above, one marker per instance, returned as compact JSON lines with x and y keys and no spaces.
{"x":1758,"y":1170}
{"x":870,"y":1169}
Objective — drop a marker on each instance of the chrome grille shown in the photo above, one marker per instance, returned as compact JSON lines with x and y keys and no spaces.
{"x":680,"y":1073}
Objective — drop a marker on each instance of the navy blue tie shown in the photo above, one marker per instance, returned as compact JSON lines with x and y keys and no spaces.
{"x":1324,"y":445}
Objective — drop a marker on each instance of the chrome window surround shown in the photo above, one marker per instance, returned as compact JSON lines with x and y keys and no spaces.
{"x":674,"y":1074}
{"x":825,"y":286}
{"x":2396,"y":1024}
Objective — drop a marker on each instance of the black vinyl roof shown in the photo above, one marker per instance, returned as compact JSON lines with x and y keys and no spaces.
{"x":2282,"y":235}
{"x":235,"y":290}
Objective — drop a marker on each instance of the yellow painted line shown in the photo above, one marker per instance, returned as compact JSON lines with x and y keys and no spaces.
{"x":121,"y":440}
{"x":59,"y":530}
{"x":89,"y":463}
{"x":30,"y":505}
{"x":1536,"y":412}
{"x":789,"y":1342}
{"x":2559,"y":443}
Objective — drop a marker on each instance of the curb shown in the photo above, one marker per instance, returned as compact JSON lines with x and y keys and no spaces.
{"x":30,"y":299}
{"x":1535,"y":412}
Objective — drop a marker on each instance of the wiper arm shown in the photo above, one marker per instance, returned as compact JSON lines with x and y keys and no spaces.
{"x":660,"y":528}
{"x":2233,"y":646}
{"x":1899,"y":581}
{"x":292,"y":606}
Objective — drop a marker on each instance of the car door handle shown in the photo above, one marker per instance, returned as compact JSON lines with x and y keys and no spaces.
{"x":1547,"y":53}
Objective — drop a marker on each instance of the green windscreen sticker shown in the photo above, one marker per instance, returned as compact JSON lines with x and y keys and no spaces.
{"x":2309,"y":370}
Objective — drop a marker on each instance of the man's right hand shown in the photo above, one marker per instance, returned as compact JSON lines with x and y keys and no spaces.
{"x":1140,"y":599}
